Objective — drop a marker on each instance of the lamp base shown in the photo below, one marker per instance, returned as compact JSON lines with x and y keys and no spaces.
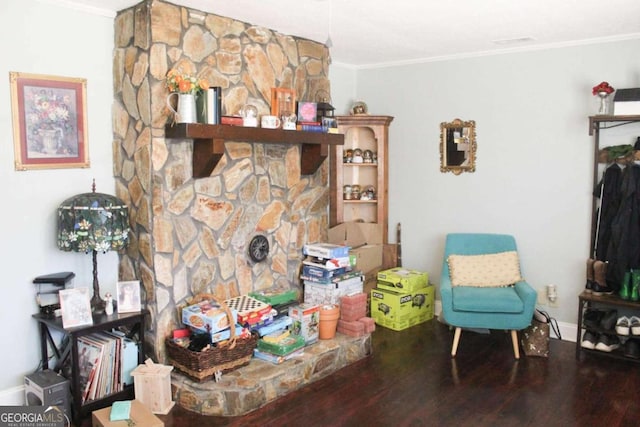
{"x":97,"y":305}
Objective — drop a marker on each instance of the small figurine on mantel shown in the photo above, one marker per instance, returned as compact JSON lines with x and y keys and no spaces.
{"x":108,"y":308}
{"x":359,"y":108}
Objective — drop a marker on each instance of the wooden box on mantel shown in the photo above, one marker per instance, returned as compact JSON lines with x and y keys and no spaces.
{"x":152,"y":385}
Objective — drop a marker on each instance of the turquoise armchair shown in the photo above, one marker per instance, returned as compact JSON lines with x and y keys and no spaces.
{"x":504,"y":308}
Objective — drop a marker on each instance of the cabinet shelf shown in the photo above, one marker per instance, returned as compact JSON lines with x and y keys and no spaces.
{"x":360,"y":201}
{"x":599,"y":122}
{"x":588,"y":300}
{"x":208,"y":143}
{"x":365,"y":132}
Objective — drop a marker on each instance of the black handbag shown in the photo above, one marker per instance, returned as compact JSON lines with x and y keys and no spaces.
{"x":535,"y":338}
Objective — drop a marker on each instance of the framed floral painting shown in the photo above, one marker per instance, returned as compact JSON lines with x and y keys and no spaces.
{"x":49,"y":121}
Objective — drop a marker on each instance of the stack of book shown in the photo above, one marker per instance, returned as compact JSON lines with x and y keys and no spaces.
{"x":328,"y":273}
{"x":106,"y":360}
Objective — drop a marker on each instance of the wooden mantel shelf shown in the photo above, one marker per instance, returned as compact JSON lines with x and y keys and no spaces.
{"x":208,"y":143}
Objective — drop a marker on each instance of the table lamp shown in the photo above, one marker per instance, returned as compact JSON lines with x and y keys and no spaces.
{"x":92,"y":222}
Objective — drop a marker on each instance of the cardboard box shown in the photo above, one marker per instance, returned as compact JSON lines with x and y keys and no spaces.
{"x":207,"y":316}
{"x":402,"y":279}
{"x":249,"y":311}
{"x":140,"y":415}
{"x":325,"y":250}
{"x":320,"y":293}
{"x":305,"y":320}
{"x":365,"y":241}
{"x":320,"y":273}
{"x":400,"y":310}
{"x":626,"y":102}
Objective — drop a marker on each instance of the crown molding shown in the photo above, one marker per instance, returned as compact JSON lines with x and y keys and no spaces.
{"x":75,"y":5}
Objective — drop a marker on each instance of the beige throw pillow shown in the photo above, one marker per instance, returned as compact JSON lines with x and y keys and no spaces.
{"x":488,"y":270}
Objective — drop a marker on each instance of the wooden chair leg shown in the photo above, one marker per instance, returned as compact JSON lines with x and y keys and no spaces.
{"x":456,"y":340}
{"x":514,"y":341}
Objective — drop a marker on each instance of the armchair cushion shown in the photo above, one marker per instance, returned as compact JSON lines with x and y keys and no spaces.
{"x":485,"y":270}
{"x":483,"y":300}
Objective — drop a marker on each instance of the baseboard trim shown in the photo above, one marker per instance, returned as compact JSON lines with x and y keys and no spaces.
{"x":13,"y":396}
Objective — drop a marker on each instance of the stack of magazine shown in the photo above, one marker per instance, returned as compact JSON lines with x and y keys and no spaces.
{"x":105,"y":361}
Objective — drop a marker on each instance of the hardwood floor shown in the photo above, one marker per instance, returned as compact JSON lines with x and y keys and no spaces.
{"x":411,"y":380}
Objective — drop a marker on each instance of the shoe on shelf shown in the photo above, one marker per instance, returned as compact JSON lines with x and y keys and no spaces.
{"x":591,"y":318}
{"x":623,"y":326}
{"x":635,"y":286}
{"x":589,"y":340}
{"x":590,"y":277}
{"x":625,"y":289}
{"x":632,"y":349}
{"x":598,"y":289}
{"x":609,"y":319}
{"x":607,"y":343}
{"x":599,"y":285}
{"x":634,"y":325}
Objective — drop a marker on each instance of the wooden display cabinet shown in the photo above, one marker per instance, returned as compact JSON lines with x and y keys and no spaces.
{"x":364,"y":132}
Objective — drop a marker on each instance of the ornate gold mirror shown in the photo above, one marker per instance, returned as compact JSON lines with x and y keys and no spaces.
{"x":458,"y":146}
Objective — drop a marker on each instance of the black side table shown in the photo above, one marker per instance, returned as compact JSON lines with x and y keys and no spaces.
{"x":135,"y":322}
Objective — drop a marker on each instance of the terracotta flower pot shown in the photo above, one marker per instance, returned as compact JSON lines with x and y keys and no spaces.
{"x":329,"y":315}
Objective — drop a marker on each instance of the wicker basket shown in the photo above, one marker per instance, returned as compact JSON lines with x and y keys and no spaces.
{"x":203,"y":365}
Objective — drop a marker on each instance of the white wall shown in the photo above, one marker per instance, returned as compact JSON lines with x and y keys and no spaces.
{"x":343,"y":87}
{"x":534,"y":159}
{"x":36,"y":37}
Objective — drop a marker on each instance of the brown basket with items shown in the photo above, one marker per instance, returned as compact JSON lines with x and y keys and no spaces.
{"x":222,"y":356}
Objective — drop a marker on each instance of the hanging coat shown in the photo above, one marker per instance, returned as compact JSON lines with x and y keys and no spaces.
{"x":609,"y":191}
{"x":623,"y":252}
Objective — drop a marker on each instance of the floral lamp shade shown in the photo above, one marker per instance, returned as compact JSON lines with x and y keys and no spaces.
{"x":93,"y":221}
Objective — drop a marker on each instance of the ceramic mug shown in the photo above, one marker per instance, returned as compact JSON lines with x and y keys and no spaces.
{"x":251,"y":122}
{"x":270,"y":122}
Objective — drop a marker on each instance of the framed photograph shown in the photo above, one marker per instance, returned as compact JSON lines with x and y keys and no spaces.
{"x":307,"y":112}
{"x":75,"y":306}
{"x":128,"y":294}
{"x":283,"y":101}
{"x":49,"y":121}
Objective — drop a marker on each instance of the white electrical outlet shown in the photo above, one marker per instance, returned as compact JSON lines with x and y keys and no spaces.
{"x":542,"y":296}
{"x":552,"y":295}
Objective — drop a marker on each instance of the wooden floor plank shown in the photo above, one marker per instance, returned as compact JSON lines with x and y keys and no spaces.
{"x":411,"y":380}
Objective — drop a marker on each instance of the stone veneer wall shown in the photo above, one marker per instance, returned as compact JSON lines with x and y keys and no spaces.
{"x":189,"y":236}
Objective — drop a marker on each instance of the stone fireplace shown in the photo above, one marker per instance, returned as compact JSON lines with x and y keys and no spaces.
{"x":189,"y":236}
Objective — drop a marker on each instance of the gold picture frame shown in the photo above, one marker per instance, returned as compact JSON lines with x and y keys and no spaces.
{"x":49,"y":116}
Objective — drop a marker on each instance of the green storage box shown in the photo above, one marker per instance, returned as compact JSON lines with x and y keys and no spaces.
{"x":401,"y":310}
{"x":402,"y":279}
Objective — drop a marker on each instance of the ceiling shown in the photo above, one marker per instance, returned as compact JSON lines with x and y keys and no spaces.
{"x":366,"y":33}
